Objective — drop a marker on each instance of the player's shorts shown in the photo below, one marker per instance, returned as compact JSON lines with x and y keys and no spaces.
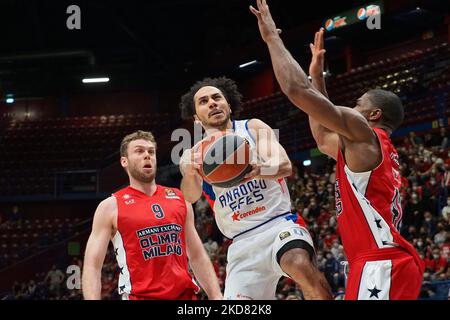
{"x":253,"y":270}
{"x":188,"y":294}
{"x":384,"y":274}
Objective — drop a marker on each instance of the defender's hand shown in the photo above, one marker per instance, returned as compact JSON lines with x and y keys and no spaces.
{"x":267,"y":26}
{"x":318,"y":55}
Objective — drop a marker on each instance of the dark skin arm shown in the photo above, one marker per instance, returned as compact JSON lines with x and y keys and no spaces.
{"x":359,"y":142}
{"x":327,"y":140}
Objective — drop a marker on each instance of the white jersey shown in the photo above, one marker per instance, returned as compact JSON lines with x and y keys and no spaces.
{"x":248,"y":205}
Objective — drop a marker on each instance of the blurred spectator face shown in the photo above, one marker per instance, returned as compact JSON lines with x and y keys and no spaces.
{"x":417,"y":161}
{"x":436,"y":254}
{"x":433,"y":180}
{"x":448,"y":201}
{"x":427,"y":215}
{"x":411,"y":229}
{"x":420,"y":243}
{"x":414,"y":197}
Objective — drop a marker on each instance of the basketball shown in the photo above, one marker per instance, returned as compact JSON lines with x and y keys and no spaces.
{"x":225,"y":159}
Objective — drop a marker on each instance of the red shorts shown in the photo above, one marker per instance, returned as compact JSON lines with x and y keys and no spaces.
{"x":188,"y":294}
{"x":385,"y":274}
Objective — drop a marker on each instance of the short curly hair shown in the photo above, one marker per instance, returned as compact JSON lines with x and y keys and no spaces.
{"x":227,"y":86}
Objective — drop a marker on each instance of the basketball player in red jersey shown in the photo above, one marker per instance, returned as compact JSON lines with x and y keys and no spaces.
{"x":153,"y":233}
{"x":383,"y":265}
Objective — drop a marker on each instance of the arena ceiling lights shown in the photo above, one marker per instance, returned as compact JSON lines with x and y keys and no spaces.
{"x":95,"y":80}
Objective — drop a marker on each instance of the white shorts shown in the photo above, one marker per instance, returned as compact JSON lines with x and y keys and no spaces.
{"x":252,"y":270}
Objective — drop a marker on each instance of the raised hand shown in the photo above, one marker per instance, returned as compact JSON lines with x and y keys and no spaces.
{"x":267,"y":26}
{"x":316,"y":67}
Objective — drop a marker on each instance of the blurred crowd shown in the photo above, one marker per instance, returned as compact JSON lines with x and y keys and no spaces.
{"x":425,"y":167}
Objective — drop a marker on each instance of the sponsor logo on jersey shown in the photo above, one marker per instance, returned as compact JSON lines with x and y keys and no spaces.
{"x":243,"y":296}
{"x":237,"y":216}
{"x":170,"y":194}
{"x":283,"y":235}
{"x":160,"y":241}
{"x":128,"y":199}
{"x":244,"y":194}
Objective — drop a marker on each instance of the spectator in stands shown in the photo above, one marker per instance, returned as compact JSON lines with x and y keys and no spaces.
{"x":31,"y":290}
{"x":331,"y":271}
{"x":444,"y":138}
{"x":413,"y":211}
{"x":211,"y":246}
{"x":446,"y":210}
{"x":201,"y":206}
{"x":441,"y":235}
{"x":429,"y":223}
{"x":430,"y":140}
{"x":436,"y":264}
{"x":414,"y":139}
{"x":55,"y":278}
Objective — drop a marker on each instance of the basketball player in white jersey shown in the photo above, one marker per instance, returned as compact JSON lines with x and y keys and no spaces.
{"x":268,"y":240}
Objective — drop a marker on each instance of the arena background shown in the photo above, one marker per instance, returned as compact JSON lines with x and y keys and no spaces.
{"x":59,"y":137}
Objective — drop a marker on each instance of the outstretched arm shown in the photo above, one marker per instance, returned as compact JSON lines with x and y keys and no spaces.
{"x":327,"y":140}
{"x":295,"y":84}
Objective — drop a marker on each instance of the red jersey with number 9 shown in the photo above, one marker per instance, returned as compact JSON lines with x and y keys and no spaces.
{"x":368,"y":204}
{"x":150,"y":245}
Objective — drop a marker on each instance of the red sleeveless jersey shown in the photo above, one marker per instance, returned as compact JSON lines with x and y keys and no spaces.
{"x":150,"y":245}
{"x":368,"y":205}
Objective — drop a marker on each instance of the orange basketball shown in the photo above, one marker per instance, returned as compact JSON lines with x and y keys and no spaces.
{"x":226,"y":159}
